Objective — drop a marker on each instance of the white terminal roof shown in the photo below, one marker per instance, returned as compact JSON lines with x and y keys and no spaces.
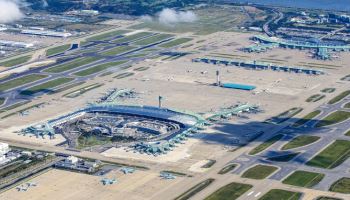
{"x":46,"y":33}
{"x":15,"y":44}
{"x":4,"y":148}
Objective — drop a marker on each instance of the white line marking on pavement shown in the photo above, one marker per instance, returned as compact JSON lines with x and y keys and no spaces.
{"x":250,"y":193}
{"x":257,"y":194}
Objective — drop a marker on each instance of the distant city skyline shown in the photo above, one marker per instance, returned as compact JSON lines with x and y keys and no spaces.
{"x":341,"y":5}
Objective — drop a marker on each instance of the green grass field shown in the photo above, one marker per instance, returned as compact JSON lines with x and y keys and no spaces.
{"x":57,"y":50}
{"x":84,"y":142}
{"x":277,"y":194}
{"x":153,"y":39}
{"x":328,"y":90}
{"x":20,"y":81}
{"x":332,"y":156}
{"x":300,"y":141}
{"x":341,"y":186}
{"x":265,"y":144}
{"x":131,"y":37}
{"x":140,"y":69}
{"x":2,"y":101}
{"x":306,"y":118}
{"x":347,"y":105}
{"x":46,"y":87}
{"x":117,"y":50}
{"x":339,"y":97}
{"x":175,"y":42}
{"x":347,"y":133}
{"x":16,"y":61}
{"x":303,"y":179}
{"x":231,"y":191}
{"x":99,"y":68}
{"x":259,"y":172}
{"x":107,"y":35}
{"x":123,"y":75}
{"x":72,"y":64}
{"x":195,"y":189}
{"x":227,"y":168}
{"x":333,"y":118}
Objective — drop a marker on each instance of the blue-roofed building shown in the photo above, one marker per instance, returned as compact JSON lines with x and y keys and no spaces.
{"x":238,"y":86}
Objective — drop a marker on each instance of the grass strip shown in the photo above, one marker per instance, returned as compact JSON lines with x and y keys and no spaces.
{"x":106,"y":35}
{"x":20,"y":81}
{"x":131,"y":37}
{"x":57,"y":50}
{"x":123,"y":75}
{"x":117,"y":50}
{"x":333,"y":118}
{"x":153,"y":39}
{"x":266,"y":144}
{"x":342,"y":186}
{"x":72,"y":65}
{"x":339,"y":97}
{"x":300,"y":141}
{"x":332,"y":156}
{"x":2,"y":100}
{"x":328,"y":90}
{"x":99,"y":68}
{"x":347,"y":105}
{"x":209,"y":164}
{"x":46,"y":87}
{"x":227,"y":168}
{"x":231,"y":191}
{"x":315,"y":98}
{"x":303,"y":179}
{"x":259,"y":172}
{"x":195,"y":189}
{"x":278,"y":194}
{"x":16,"y":61}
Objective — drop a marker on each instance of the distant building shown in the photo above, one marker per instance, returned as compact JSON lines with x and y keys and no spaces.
{"x":335,"y":18}
{"x":15,"y":44}
{"x":46,"y":33}
{"x":84,"y":12}
{"x":4,"y":149}
{"x":254,"y":28}
{"x":74,"y":163}
{"x":72,"y":160}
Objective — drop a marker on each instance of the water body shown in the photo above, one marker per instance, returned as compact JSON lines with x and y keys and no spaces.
{"x":339,"y":5}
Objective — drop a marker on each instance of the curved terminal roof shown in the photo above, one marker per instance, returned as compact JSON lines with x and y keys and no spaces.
{"x":300,"y":44}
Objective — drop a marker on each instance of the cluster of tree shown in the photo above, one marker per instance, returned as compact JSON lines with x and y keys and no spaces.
{"x":130,"y":7}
